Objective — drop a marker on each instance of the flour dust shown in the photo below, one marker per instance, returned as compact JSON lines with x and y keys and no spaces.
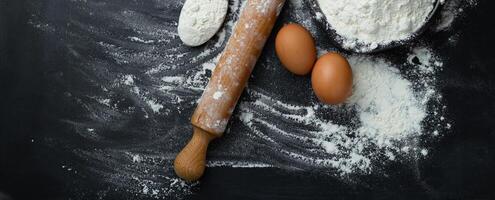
{"x":141,"y":85}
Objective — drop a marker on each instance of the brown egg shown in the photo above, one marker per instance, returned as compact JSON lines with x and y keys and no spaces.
{"x":296,"y":49}
{"x":332,"y":78}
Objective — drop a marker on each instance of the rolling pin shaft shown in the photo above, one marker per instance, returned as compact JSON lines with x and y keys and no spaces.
{"x":227,"y":83}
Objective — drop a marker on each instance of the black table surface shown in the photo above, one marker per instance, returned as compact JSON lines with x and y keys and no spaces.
{"x":461,"y":167}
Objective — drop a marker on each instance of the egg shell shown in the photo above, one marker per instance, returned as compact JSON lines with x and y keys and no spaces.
{"x":332,"y":79}
{"x":295,"y":47}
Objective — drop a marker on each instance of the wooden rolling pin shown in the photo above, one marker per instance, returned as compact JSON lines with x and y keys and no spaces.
{"x":227,"y":83}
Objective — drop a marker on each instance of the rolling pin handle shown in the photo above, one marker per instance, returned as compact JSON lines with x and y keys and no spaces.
{"x":190,"y":163}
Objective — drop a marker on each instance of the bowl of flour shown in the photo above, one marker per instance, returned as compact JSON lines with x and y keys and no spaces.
{"x":368,"y":26}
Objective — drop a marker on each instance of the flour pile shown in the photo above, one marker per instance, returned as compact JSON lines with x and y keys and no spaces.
{"x":368,"y":24}
{"x":387,"y":105}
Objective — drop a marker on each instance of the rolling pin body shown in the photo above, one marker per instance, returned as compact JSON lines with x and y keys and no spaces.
{"x":227,"y":83}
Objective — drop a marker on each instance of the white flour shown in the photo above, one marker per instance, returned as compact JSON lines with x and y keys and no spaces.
{"x":375,"y":22}
{"x":386,"y":103}
{"x":200,"y":20}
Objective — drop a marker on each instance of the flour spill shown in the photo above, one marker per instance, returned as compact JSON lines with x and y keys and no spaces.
{"x":141,"y":85}
{"x":387,"y":111}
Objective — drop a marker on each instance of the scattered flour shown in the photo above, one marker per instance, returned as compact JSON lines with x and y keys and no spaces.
{"x":450,"y":11}
{"x":136,"y":158}
{"x":152,"y":77}
{"x":156,"y":107}
{"x":217,"y":95}
{"x":368,"y":24}
{"x":128,"y":80}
